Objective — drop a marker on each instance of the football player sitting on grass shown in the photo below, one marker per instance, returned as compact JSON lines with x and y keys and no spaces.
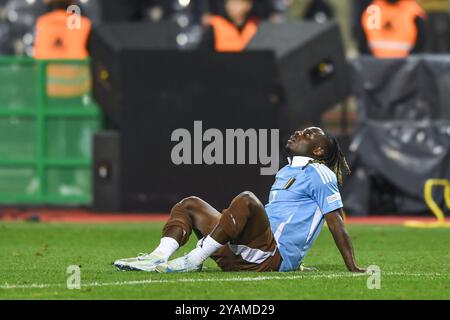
{"x":248,"y":236}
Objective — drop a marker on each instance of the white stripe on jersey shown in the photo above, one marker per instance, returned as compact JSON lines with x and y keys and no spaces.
{"x":326,"y":171}
{"x":322,"y":176}
{"x":314,"y":224}
{"x":280,"y":228}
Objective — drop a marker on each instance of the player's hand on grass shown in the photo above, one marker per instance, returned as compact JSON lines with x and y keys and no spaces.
{"x":306,"y":269}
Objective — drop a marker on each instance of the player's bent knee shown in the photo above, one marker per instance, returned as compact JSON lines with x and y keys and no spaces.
{"x":190,"y":203}
{"x":249,"y":197}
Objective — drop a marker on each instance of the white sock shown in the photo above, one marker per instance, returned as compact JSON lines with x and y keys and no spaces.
{"x":167,"y":247}
{"x":202,"y":253}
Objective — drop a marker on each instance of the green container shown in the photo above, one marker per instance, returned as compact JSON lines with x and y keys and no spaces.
{"x":16,"y":138}
{"x":47,"y":120}
{"x":18,"y":183}
{"x":70,"y":138}
{"x":66,"y":185}
{"x":18,"y":83}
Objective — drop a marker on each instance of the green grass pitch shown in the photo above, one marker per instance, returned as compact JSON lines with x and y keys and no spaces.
{"x":415,"y":264}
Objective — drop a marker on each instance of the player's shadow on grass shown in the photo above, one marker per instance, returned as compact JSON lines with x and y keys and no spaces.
{"x":319,"y":267}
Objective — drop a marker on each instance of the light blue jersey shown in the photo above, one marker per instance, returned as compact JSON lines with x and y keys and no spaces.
{"x":298,"y":201}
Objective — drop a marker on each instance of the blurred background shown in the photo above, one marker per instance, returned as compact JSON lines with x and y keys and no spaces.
{"x":88,"y":103}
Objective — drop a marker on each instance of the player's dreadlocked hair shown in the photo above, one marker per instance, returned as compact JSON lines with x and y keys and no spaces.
{"x":334,"y":158}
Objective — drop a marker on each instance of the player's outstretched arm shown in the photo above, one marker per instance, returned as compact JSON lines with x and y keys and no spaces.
{"x":342,"y":239}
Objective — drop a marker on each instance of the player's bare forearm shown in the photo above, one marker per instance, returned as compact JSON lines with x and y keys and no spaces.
{"x":342,"y":239}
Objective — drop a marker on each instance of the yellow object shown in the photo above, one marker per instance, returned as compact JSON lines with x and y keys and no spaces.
{"x":435,"y":209}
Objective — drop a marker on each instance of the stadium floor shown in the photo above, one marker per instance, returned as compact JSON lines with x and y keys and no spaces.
{"x":414,"y":263}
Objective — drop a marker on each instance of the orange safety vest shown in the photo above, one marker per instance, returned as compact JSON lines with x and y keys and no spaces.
{"x":396,"y":35}
{"x":228,"y":38}
{"x":54,"y":40}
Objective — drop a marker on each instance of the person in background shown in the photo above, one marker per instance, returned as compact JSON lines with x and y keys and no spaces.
{"x":401,"y":31}
{"x":232,"y":31}
{"x":272,"y":10}
{"x":60,"y":36}
{"x":55,"y":40}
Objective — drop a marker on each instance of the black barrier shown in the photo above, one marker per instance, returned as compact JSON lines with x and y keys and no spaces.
{"x":220,"y":91}
{"x":403,"y":135}
{"x":311,"y":65}
{"x":149,"y":90}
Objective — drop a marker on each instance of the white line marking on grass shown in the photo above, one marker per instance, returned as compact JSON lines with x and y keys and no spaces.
{"x":29,"y":286}
{"x":232,"y":279}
